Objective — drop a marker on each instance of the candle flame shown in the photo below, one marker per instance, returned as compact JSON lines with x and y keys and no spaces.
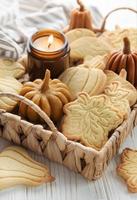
{"x":50,"y":40}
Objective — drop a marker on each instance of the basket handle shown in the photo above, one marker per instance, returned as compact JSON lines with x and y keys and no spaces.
{"x":102,"y":29}
{"x":33,"y":106}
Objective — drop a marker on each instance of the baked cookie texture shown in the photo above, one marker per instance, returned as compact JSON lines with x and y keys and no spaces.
{"x":18,"y":168}
{"x":92,"y":46}
{"x":117,"y":88}
{"x":9,"y":84}
{"x":8,"y":67}
{"x":89,"y":119}
{"x":127,"y":168}
{"x":77,"y":33}
{"x":116,"y":37}
{"x":82,"y":79}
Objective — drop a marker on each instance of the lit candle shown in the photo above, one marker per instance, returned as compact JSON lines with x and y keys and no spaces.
{"x":48,"y":43}
{"x":47,"y":49}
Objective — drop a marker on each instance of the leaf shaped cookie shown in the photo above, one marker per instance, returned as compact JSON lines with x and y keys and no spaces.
{"x":89,"y":120}
{"x":116,"y":37}
{"x":118,"y":88}
{"x":98,"y":62}
{"x":18,"y":168}
{"x":92,"y":46}
{"x":127,"y":168}
{"x":77,"y":33}
{"x":9,"y":67}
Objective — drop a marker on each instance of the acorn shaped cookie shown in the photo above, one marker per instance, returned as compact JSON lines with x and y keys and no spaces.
{"x":126,"y":59}
{"x":49,"y":95}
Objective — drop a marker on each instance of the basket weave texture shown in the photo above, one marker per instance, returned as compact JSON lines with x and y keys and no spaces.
{"x":56,"y":147}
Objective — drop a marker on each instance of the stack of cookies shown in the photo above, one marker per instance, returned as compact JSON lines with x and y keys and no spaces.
{"x":101,"y":98}
{"x":90,"y":118}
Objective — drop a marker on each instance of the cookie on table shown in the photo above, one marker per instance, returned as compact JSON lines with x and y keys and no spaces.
{"x":90,"y":119}
{"x":18,"y":168}
{"x":127,"y":168}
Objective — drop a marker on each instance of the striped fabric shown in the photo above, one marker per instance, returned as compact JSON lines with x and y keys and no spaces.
{"x":21,"y":18}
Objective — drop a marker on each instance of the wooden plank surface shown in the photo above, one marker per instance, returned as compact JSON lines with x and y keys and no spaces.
{"x":71,"y":186}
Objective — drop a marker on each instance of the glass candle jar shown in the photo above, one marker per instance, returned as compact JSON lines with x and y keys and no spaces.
{"x":47,"y":49}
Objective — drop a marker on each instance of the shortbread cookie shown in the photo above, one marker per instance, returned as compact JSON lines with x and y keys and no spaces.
{"x":116,"y":37}
{"x":8,"y":67}
{"x":80,"y":79}
{"x":96,"y":62}
{"x":127,"y":168}
{"x":77,"y":33}
{"x":89,"y":120}
{"x":92,"y":46}
{"x":118,"y":88}
{"x":18,"y":168}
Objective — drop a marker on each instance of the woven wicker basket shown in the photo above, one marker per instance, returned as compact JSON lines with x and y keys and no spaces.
{"x":55,"y":146}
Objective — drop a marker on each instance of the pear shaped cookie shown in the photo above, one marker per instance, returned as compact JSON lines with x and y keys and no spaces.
{"x":127,"y":168}
{"x":18,"y":168}
{"x":9,"y":84}
{"x":89,"y":120}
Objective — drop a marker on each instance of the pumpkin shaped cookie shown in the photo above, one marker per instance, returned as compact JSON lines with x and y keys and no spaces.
{"x":89,"y":120}
{"x":80,"y":79}
{"x":9,"y":67}
{"x":49,"y":95}
{"x":9,"y":84}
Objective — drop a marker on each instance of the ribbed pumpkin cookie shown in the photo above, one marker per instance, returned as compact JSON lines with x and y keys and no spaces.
{"x":118,"y":88}
{"x":18,"y":168}
{"x":89,"y":120}
{"x":82,"y":79}
{"x":127,"y":168}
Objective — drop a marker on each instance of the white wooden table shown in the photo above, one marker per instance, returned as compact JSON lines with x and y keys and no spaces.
{"x":71,"y":186}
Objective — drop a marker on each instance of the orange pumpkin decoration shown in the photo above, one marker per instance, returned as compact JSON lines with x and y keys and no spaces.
{"x":79,"y":18}
{"x":126,"y":59}
{"x":49,"y":95}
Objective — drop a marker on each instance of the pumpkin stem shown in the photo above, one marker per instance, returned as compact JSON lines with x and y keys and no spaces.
{"x":126,"y":48}
{"x":45,"y":83}
{"x":82,"y":8}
